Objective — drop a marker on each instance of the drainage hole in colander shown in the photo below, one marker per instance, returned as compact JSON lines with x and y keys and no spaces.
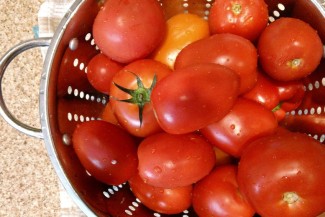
{"x":310,"y":111}
{"x":277,"y":13}
{"x":111,"y":190}
{"x":317,"y":137}
{"x":86,"y":96}
{"x":76,"y":117}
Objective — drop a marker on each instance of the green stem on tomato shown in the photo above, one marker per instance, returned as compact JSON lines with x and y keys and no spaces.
{"x":139,"y":96}
{"x":278,"y":107}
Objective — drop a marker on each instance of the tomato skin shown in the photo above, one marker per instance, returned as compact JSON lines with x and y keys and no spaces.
{"x":246,"y":18}
{"x":183,"y":106}
{"x":127,"y":114}
{"x":106,"y":151}
{"x":279,"y":96}
{"x":264,"y":92}
{"x":289,"y":49}
{"x":218,"y":195}
{"x":232,"y":51}
{"x":108,"y":115}
{"x":162,"y":200}
{"x":169,"y":161}
{"x":127,"y":30}
{"x":246,"y":121}
{"x":195,"y":28}
{"x":100,"y":72}
{"x":273,"y":166}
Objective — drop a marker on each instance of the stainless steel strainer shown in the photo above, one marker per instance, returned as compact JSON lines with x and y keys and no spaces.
{"x":66,"y":98}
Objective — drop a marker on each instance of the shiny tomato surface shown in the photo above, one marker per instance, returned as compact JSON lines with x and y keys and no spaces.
{"x":106,"y":151}
{"x":127,"y":30}
{"x":283,"y":175}
{"x":169,"y":161}
{"x":192,"y":97}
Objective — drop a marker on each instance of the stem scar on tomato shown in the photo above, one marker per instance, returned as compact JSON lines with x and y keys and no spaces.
{"x":290,"y":197}
{"x":295,"y":63}
{"x":236,"y":8}
{"x":139,"y":96}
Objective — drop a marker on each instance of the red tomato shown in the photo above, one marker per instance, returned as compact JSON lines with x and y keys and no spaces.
{"x":100,"y":72}
{"x":182,"y":29}
{"x":264,"y":92}
{"x":246,"y":18}
{"x":289,"y":49}
{"x":218,"y":195}
{"x":246,"y":121}
{"x":283,"y":175}
{"x":233,"y":51}
{"x":162,"y":200}
{"x":127,"y":30}
{"x":106,"y":151}
{"x":128,"y":113}
{"x":169,"y":161}
{"x":108,"y":115}
{"x":194,"y":96}
{"x":279,"y":96}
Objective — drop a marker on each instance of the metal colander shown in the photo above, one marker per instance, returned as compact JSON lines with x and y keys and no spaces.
{"x":67,"y":98}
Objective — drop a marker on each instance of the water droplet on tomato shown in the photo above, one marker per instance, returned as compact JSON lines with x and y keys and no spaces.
{"x":232,"y":126}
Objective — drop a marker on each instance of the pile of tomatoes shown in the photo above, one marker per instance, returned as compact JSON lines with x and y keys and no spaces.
{"x":195,"y":110}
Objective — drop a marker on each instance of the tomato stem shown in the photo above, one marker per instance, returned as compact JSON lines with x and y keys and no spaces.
{"x":290,"y":197}
{"x":278,"y":107}
{"x":139,"y":96}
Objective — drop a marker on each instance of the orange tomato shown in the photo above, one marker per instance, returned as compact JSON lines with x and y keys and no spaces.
{"x":182,"y":29}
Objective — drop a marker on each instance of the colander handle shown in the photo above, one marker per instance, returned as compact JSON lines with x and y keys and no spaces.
{"x":4,"y":62}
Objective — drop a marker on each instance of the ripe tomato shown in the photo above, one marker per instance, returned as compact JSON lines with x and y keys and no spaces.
{"x":289,"y":49}
{"x":246,"y":121}
{"x":194,"y":96}
{"x":218,"y":195}
{"x":283,"y":175}
{"x":169,"y":161}
{"x":100,"y":72}
{"x":246,"y":18}
{"x":108,"y":115}
{"x":182,"y":29}
{"x":106,"y":151}
{"x":264,"y":92}
{"x":162,"y":200}
{"x":233,"y":51}
{"x":137,"y":116}
{"x":129,"y":30}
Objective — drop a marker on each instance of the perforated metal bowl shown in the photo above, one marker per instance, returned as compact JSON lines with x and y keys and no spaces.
{"x":66,"y":98}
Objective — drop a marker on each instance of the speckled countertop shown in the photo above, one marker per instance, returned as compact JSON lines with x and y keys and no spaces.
{"x":28,"y":183}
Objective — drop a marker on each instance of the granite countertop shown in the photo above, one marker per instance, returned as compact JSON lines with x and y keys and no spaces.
{"x":28,"y":183}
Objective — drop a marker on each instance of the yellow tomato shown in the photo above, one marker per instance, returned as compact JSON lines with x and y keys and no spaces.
{"x":182,"y":29}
